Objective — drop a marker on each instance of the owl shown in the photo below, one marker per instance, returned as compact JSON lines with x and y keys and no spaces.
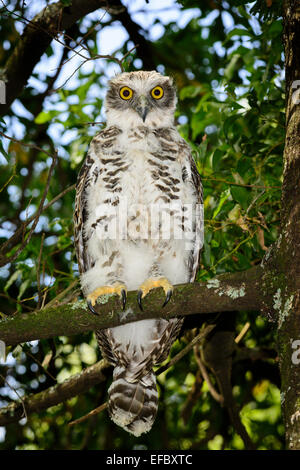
{"x":138,"y":226}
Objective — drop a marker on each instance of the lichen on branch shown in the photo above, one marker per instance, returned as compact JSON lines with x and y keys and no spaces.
{"x":231,"y":292}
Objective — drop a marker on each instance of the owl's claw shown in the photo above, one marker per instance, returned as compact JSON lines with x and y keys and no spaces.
{"x":168,"y":296}
{"x":123,"y":296}
{"x":91,"y":307}
{"x":116,"y":289}
{"x":154,"y":283}
{"x":139,"y":299}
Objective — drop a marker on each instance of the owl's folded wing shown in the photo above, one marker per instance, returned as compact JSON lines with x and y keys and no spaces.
{"x":80,"y":215}
{"x":191,"y":176}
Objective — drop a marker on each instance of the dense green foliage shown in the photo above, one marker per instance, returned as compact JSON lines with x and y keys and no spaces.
{"x":227,"y":62}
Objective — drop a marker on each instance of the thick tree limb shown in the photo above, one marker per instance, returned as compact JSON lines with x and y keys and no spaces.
{"x":134,"y":30}
{"x":226,"y":292}
{"x":71,"y":387}
{"x":285,"y":268}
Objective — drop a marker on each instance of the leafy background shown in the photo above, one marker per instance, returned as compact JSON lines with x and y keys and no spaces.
{"x":227,"y":62}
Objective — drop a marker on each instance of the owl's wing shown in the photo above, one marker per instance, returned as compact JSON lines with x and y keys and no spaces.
{"x":190,"y":176}
{"x":168,"y":338}
{"x":88,"y":176}
{"x":80,"y":215}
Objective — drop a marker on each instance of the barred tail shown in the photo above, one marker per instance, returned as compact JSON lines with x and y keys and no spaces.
{"x":133,"y":405}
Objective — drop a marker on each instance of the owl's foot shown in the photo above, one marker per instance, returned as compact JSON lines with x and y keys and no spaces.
{"x":153,"y":283}
{"x":117,"y":288}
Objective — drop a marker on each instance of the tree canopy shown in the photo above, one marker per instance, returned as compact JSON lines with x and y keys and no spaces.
{"x":227,"y":59}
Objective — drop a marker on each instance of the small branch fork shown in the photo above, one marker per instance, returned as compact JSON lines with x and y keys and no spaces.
{"x":19,"y":234}
{"x":4,"y":259}
{"x":120,"y":62}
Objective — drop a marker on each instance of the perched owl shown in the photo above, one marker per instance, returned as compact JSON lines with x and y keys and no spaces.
{"x":137,"y":227}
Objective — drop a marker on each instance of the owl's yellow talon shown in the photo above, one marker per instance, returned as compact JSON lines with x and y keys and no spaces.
{"x":154,"y":283}
{"x":118,"y":288}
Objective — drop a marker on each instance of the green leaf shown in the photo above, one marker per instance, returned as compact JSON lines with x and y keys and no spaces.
{"x":241,"y":195}
{"x":216,"y":159}
{"x":23,"y":287}
{"x":206,"y":254}
{"x":224,"y":196}
{"x":46,"y":116}
{"x":228,"y":124}
{"x":244,"y":166}
{"x":232,"y":66}
{"x":3,"y":151}
{"x":238,"y":32}
{"x":275,"y":28}
{"x":190,"y":92}
{"x":12,"y":279}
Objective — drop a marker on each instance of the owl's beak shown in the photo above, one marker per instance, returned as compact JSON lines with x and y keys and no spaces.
{"x":142,"y":107}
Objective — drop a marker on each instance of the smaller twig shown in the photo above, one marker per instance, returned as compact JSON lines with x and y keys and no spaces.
{"x":18,"y":395}
{"x":73,"y":386}
{"x":232,"y":183}
{"x":217,"y":396}
{"x":89,"y":415}
{"x":92,"y":28}
{"x":185,"y":350}
{"x":62,"y":294}
{"x":45,"y":293}
{"x":56,"y":198}
{"x":19,"y":232}
{"x":38,"y":280}
{"x":212,"y":268}
{"x":5,"y":260}
{"x":33,"y":146}
{"x":254,"y":201}
{"x":20,"y":302}
{"x":92,"y":123}
{"x":242,"y":332}
{"x":39,"y":364}
{"x":97,"y":56}
{"x":84,"y":37}
{"x":9,"y":179}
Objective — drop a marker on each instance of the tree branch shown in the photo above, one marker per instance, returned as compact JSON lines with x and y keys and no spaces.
{"x":71,"y":387}
{"x":77,"y":384}
{"x":36,"y":38}
{"x":226,"y":292}
{"x":134,"y":30}
{"x":3,"y":258}
{"x":285,"y":268}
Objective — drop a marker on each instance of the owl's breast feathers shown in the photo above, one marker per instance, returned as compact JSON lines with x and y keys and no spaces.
{"x":136,"y":157}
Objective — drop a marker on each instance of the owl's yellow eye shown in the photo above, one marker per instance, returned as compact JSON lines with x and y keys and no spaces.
{"x":126,"y":93}
{"x":157,"y":92}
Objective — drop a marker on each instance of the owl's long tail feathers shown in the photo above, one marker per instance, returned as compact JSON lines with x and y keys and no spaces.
{"x":133,"y":405}
{"x":133,"y":349}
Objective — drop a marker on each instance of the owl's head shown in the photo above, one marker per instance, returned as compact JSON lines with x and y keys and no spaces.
{"x":140,"y":98}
